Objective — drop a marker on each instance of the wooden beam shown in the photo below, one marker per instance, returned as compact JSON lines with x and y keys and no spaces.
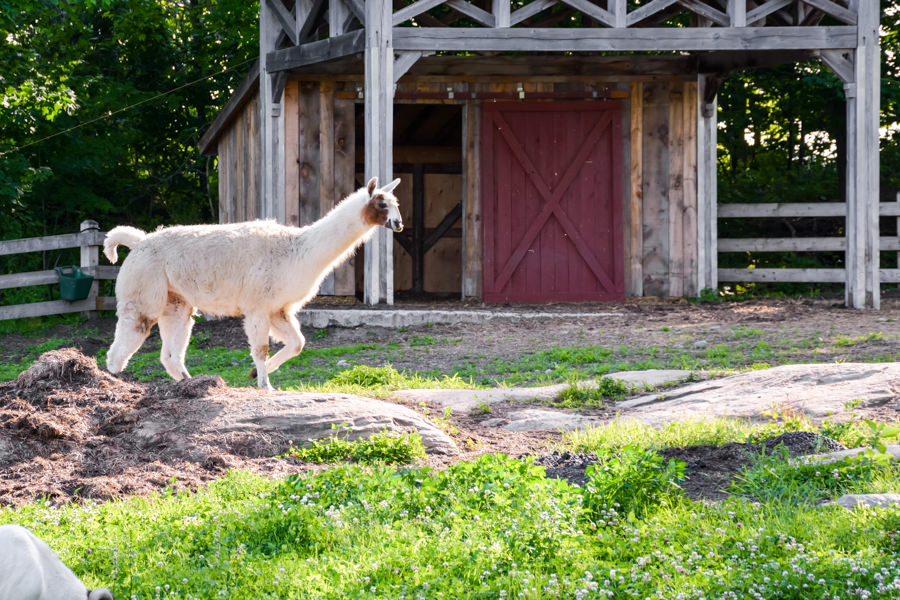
{"x":838,"y":12}
{"x":707,"y":226}
{"x":530,"y":10}
{"x":707,"y":12}
{"x":471,"y":240}
{"x":327,"y":198}
{"x":413,"y":10}
{"x":338,"y":15}
{"x":379,"y":132}
{"x":316,"y":52}
{"x":798,"y":244}
{"x":312,"y":21}
{"x":500,"y":8}
{"x":737,"y":13}
{"x":646,"y":11}
{"x":761,"y":12}
{"x":863,"y":106}
{"x":287,"y":20}
{"x":798,"y":209}
{"x":593,"y":11}
{"x":840,"y":62}
{"x":782,"y":275}
{"x":634,"y":244}
{"x":610,"y":39}
{"x":473,"y":12}
{"x":619,"y":10}
{"x":358,"y":10}
{"x":404,"y":61}
{"x":291,"y":154}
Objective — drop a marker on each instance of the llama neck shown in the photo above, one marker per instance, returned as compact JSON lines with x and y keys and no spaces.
{"x":336,"y":234}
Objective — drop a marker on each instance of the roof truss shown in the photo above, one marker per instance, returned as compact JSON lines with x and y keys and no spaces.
{"x":320,"y":30}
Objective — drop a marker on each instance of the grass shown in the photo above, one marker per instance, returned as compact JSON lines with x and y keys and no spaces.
{"x":494,"y":527}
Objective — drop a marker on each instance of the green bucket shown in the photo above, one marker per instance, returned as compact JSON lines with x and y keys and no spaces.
{"x":73,"y":284}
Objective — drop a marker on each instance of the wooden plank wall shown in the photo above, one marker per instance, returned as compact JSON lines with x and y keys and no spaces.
{"x":319,"y":162}
{"x":239,"y":175}
{"x":661,"y":229}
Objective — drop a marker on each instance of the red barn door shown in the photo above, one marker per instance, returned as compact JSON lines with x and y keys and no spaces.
{"x":551,"y":202}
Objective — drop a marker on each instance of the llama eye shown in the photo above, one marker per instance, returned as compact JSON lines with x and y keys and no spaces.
{"x":382,"y":205}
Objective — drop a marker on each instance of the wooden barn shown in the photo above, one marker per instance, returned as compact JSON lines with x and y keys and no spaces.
{"x":549,"y":150}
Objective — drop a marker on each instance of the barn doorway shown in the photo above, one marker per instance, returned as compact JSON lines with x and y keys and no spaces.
{"x":428,"y":160}
{"x":552,"y":202}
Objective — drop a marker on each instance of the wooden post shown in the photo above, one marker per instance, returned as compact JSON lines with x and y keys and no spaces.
{"x":707,"y":226}
{"x":471,"y":240}
{"x":501,"y":12}
{"x":863,"y":288}
{"x":634,"y":244}
{"x":379,"y":132}
{"x":90,"y":260}
{"x":271,"y":122}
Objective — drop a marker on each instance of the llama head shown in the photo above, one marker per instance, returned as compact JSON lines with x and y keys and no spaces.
{"x":383,"y":207}
{"x":100,"y":594}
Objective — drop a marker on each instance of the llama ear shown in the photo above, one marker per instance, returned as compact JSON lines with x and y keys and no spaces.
{"x":389,"y":187}
{"x":373,"y":183}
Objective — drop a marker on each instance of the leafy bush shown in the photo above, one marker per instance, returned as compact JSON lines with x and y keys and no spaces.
{"x":633,"y":482}
{"x":385,"y":447}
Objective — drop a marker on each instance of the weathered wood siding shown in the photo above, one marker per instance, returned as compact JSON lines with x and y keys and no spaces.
{"x":662,"y":203}
{"x":239,"y":147}
{"x":322,"y":154}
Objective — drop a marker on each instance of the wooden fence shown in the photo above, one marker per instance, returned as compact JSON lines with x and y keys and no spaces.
{"x":89,"y":239}
{"x":799,"y":244}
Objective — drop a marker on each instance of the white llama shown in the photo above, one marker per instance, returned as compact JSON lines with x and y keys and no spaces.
{"x":260,"y":269}
{"x":30,"y":570}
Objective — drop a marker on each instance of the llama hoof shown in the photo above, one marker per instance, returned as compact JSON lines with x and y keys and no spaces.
{"x":253,"y":374}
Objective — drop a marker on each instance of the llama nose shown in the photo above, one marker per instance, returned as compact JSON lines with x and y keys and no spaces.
{"x":395,"y":224}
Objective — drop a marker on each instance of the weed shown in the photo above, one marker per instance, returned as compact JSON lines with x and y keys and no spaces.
{"x":483,"y":408}
{"x":320,"y":334}
{"x":403,"y":329}
{"x":380,"y":448}
{"x":632,"y":482}
{"x":578,"y":395}
{"x":421,"y":340}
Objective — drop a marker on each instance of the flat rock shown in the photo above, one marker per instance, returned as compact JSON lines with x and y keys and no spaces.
{"x":816,"y":390}
{"x":535,"y":419}
{"x":868,"y":500}
{"x":253,"y":426}
{"x":892,"y":450}
{"x":464,"y":401}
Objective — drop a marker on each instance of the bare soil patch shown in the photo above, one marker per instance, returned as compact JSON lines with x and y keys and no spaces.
{"x":66,"y":426}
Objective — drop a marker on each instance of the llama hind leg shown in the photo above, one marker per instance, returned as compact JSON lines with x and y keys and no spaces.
{"x":130,"y":334}
{"x":257,"y":330}
{"x":175,"y":330}
{"x":286,"y":328}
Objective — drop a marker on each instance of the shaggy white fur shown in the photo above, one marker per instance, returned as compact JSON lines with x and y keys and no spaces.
{"x":260,"y":269}
{"x":30,"y":570}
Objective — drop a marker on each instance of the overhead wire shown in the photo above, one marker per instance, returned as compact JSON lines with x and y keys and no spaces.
{"x":126,"y":108}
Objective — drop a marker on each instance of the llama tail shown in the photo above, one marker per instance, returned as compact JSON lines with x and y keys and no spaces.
{"x":124,"y":236}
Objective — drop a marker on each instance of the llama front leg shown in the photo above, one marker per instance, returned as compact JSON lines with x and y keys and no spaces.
{"x":257,"y":330}
{"x":287,"y":329}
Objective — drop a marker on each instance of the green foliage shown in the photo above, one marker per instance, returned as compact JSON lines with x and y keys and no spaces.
{"x":104,"y":103}
{"x":578,"y":395}
{"x":380,"y":448}
{"x":633,"y":482}
{"x":776,"y":478}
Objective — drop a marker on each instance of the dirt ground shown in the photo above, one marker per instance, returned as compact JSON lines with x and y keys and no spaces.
{"x":67,"y":427}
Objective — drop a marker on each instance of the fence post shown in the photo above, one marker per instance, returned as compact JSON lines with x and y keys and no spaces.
{"x":90,"y":260}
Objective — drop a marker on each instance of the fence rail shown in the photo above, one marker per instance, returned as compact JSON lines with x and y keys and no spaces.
{"x":89,"y":240}
{"x":799,"y":244}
